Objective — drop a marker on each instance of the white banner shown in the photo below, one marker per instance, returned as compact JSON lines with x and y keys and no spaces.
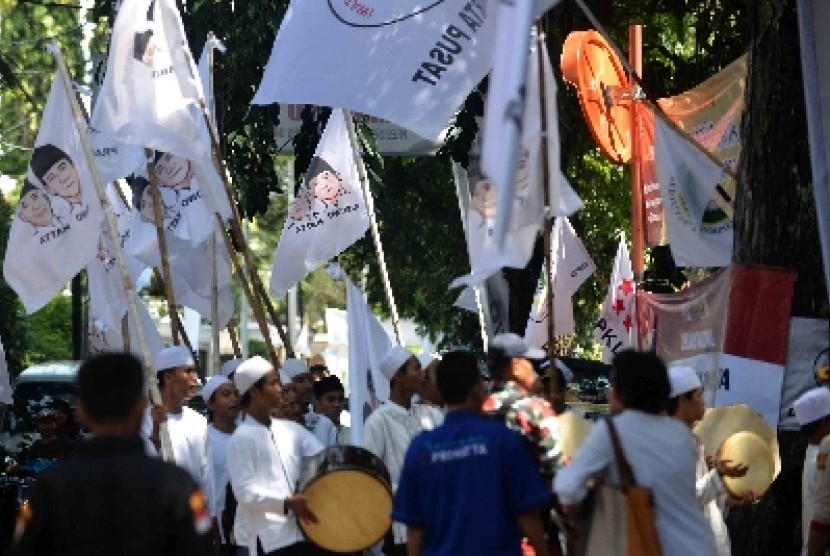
{"x":410,"y":63}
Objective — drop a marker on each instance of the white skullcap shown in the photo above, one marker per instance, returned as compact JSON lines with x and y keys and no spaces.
{"x":394,"y":360}
{"x":812,"y":405}
{"x":683,"y":379}
{"x":173,"y":357}
{"x":212,"y":384}
{"x":249,"y":372}
{"x":230,"y":366}
{"x":291,"y":368}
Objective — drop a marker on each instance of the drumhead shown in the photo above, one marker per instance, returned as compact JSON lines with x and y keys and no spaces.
{"x":354,"y":509}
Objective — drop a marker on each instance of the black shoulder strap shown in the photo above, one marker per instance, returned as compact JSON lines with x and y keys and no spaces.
{"x":626,"y":473}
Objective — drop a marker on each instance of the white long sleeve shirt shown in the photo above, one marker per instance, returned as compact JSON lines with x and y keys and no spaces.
{"x":217,"y":469}
{"x":662,"y":454}
{"x":387,"y":434}
{"x":711,"y":493}
{"x":188,"y":437}
{"x":264,"y":464}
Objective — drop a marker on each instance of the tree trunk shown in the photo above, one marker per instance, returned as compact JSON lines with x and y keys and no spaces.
{"x":775,"y":224}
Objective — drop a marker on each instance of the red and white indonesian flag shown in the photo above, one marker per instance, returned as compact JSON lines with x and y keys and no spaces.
{"x":368,"y":343}
{"x":688,"y":179}
{"x":54,"y":233}
{"x":151,"y":92}
{"x":328,"y":214}
{"x":571,"y":266}
{"x":732,"y":328}
{"x":616,"y":328}
{"x":411,"y":63}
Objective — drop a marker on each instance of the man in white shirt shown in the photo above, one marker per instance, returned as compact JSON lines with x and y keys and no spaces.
{"x":222,"y":401}
{"x":687,"y":406}
{"x":177,"y":379}
{"x":391,"y":427}
{"x":812,"y":410}
{"x":264,"y":463}
{"x":329,"y":396}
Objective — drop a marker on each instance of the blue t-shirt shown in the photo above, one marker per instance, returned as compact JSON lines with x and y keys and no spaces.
{"x":465,"y":483}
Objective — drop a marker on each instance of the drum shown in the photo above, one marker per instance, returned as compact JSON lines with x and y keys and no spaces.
{"x":349,"y":490}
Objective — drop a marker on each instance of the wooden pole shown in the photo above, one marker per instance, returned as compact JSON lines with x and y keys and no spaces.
{"x":214,"y":283}
{"x":257,"y":287}
{"x":167,"y":280}
{"x":246,"y":287}
{"x":373,"y":224}
{"x":112,"y":227}
{"x":635,"y":58}
{"x":237,"y":350}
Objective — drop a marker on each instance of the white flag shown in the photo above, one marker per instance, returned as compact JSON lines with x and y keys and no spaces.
{"x":687,"y":181}
{"x":104,"y":338}
{"x":151,"y":93}
{"x":368,"y":343}
{"x":107,"y":297}
{"x":616,"y":328}
{"x":524,"y":197}
{"x":328,"y":214}
{"x":55,"y":231}
{"x":408,"y":62}
{"x":571,"y":266}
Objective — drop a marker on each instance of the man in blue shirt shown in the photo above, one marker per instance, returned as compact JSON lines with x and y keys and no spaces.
{"x":470,"y":486}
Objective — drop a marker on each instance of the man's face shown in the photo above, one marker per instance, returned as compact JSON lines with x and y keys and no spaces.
{"x":172,"y":171}
{"x":62,"y":180}
{"x":484,"y":199}
{"x":47,"y":428}
{"x":36,"y":209}
{"x":289,"y":408}
{"x":303,"y":383}
{"x":225,"y":402}
{"x":429,"y":387}
{"x":330,"y":404}
{"x":326,"y":186}
{"x":182,"y":382}
{"x":412,"y":376}
{"x":271,"y":392}
{"x":696,"y":406}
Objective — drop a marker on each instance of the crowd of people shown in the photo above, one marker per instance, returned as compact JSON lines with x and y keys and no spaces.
{"x":471,"y":445}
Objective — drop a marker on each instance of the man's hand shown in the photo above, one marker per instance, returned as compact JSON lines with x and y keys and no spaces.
{"x":725,"y":469}
{"x":158,"y":414}
{"x":299,"y":505}
{"x":746,"y":499}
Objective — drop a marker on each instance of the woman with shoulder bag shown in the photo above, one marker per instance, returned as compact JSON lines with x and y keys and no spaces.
{"x":653,"y":455}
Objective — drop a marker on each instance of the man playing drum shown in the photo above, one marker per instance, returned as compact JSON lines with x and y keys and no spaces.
{"x":264,"y":463}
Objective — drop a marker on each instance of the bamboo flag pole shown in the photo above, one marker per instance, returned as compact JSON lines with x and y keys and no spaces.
{"x":548,"y":222}
{"x":112,"y":227}
{"x":370,"y":208}
{"x":166,"y":277}
{"x":246,"y":287}
{"x":214,"y":281}
{"x":237,"y":350}
{"x":257,"y":288}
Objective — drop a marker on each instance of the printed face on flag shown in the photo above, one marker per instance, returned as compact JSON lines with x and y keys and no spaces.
{"x":58,"y":218}
{"x":175,"y":172}
{"x":328,"y":213}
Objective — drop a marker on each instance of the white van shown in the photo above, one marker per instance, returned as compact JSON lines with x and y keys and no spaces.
{"x":35,"y":389}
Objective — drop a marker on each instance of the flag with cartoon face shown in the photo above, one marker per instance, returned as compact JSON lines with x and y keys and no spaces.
{"x":151,"y":92}
{"x":55,"y":230}
{"x":328,"y":214}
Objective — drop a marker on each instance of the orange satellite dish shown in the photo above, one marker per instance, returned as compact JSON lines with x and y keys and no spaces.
{"x":602,"y":85}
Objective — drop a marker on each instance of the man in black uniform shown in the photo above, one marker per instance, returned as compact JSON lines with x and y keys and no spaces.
{"x":113,"y":498}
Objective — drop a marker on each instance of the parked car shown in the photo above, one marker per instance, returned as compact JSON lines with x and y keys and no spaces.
{"x":35,"y":388}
